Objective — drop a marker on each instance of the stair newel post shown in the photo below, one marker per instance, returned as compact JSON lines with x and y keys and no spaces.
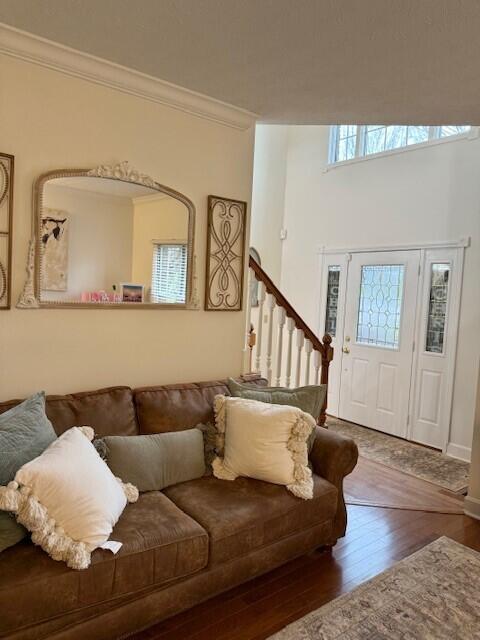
{"x":317,"y":359}
{"x":281,"y":323}
{"x":271,"y":308}
{"x":300,"y":341}
{"x":327,"y":357}
{"x":308,"y":351}
{"x":249,"y":330}
{"x":252,"y":338}
{"x":261,"y":302}
{"x":290,"y":330}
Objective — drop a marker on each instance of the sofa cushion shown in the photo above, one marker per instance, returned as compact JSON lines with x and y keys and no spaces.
{"x":246,"y":514}
{"x":109,"y":411}
{"x":160,"y":543}
{"x":175,"y":407}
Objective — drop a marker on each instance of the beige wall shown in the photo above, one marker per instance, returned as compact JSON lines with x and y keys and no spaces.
{"x":159,"y":219}
{"x":100,"y":230}
{"x":48,"y":120}
{"x":428,"y":194}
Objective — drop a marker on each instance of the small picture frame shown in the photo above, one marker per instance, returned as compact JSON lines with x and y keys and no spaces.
{"x":131,"y":292}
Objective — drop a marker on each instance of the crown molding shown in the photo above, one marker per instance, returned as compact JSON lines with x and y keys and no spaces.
{"x":26,"y":46}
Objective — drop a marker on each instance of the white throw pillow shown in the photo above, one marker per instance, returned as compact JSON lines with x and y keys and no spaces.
{"x":68,"y":498}
{"x":263,"y":441}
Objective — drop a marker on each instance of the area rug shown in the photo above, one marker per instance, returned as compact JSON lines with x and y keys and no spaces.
{"x":414,"y":459}
{"x":431,"y":595}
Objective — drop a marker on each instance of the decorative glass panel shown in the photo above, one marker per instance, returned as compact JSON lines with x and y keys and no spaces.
{"x":437,"y":307}
{"x":332,"y":300}
{"x":380,"y":305}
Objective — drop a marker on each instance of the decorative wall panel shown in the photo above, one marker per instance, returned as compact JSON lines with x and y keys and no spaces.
{"x":6,"y":215}
{"x":225,"y":254}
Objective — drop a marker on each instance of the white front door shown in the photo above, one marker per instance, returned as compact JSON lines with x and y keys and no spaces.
{"x":378,"y":335}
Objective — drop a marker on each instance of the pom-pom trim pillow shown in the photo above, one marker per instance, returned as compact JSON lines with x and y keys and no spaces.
{"x":263,"y":441}
{"x":68,"y":498}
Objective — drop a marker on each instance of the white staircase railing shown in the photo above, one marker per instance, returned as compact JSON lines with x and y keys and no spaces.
{"x":285,"y":349}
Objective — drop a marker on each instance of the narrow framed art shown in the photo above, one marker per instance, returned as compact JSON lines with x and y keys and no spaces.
{"x":225,"y":254}
{"x":6,"y":221}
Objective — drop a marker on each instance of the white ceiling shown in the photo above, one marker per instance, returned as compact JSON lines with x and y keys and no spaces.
{"x":291,"y":61}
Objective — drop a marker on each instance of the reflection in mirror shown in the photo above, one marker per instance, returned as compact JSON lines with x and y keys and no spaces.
{"x":110,"y":241}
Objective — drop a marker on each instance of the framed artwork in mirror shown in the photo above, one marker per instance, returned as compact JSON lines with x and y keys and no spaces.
{"x":95,"y":240}
{"x":6,"y":221}
{"x":225,"y":254}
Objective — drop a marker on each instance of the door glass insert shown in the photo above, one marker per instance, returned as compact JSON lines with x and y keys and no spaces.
{"x":380,"y":305}
{"x":332,"y":300}
{"x":437,"y":307}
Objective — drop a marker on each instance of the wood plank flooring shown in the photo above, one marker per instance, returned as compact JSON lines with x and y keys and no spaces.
{"x":376,"y":538}
{"x":373,"y":484}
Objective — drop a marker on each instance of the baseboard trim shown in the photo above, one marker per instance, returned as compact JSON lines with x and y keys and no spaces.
{"x":46,"y":53}
{"x":471,"y":507}
{"x":459,"y":451}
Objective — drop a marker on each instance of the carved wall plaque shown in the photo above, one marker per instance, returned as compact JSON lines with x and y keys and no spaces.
{"x":6,"y":215}
{"x":225,"y":254}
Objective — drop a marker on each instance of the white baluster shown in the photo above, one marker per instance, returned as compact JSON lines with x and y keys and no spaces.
{"x":261,"y":301}
{"x":247,"y":361}
{"x":300,"y":341}
{"x":308,"y":351}
{"x":290,"y":329}
{"x":317,"y":360}
{"x":281,"y":324}
{"x":271,"y":307}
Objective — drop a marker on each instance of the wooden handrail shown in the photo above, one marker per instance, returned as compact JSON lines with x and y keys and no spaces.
{"x":324,"y":346}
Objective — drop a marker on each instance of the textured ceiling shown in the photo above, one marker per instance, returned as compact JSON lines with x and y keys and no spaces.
{"x":291,"y":61}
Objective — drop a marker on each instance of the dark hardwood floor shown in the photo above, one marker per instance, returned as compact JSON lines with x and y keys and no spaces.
{"x":376,"y":538}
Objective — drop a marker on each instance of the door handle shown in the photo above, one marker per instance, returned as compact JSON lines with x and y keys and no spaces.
{"x":345,"y":350}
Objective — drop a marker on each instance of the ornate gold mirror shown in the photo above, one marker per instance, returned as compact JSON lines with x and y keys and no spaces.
{"x":109,"y":237}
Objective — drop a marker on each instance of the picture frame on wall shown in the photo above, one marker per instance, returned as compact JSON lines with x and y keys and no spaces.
{"x":7,"y":163}
{"x":226,"y":234}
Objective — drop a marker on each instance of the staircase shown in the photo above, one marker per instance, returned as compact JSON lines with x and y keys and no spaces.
{"x":283,"y":349}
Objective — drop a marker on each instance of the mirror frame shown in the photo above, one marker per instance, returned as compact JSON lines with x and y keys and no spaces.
{"x":30,"y":297}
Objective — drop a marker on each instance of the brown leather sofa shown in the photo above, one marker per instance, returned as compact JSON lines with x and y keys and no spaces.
{"x":180,"y":546}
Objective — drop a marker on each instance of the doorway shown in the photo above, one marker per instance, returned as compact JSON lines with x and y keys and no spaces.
{"x":393,"y":317}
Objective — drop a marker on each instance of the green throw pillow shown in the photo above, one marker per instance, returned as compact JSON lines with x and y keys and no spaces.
{"x":25,"y":433}
{"x":309,"y":399}
{"x":153,"y":462}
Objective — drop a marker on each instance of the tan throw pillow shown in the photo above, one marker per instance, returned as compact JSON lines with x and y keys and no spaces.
{"x":68,"y":498}
{"x":263,"y":441}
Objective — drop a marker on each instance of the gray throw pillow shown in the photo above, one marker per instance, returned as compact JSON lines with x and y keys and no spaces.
{"x":10,"y":531}
{"x":153,"y":462}
{"x":209,"y":432}
{"x":309,"y":399}
{"x":25,"y":433}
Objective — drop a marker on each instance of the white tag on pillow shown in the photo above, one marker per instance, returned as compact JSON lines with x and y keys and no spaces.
{"x":111,"y":545}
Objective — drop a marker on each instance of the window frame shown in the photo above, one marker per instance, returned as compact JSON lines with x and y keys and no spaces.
{"x":168,"y":243}
{"x":433,"y":139}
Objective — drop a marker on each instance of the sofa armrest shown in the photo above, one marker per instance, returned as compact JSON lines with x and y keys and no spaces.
{"x":333,"y":457}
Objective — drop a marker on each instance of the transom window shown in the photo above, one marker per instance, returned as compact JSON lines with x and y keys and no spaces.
{"x":169,"y":272}
{"x":349,"y":141}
